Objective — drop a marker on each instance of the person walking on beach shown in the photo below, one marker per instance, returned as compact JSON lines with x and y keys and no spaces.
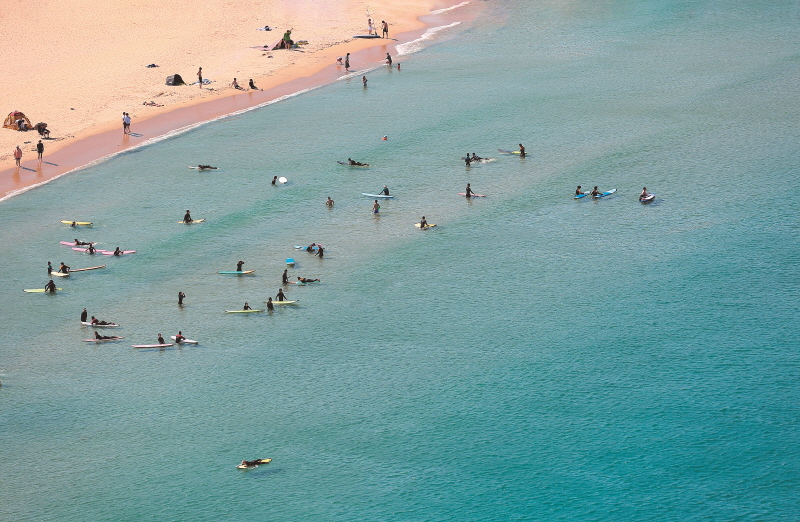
{"x":385,"y":28}
{"x":127,"y":120}
{"x":200,"y":77}
{"x":388,"y":59}
{"x":347,"y":62}
{"x":40,"y":150}
{"x":17,"y":155}
{"x":364,"y":81}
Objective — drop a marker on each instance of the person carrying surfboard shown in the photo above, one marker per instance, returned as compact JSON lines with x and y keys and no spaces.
{"x":187,"y":218}
{"x":50,"y":287}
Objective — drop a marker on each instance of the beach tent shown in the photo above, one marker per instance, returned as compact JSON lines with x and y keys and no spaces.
{"x":11,"y":120}
{"x":175,"y":79}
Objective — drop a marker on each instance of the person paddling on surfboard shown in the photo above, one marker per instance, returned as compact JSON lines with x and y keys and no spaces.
{"x":307,"y":280}
{"x":594,"y":193}
{"x":239,"y":266}
{"x":281,"y":296}
{"x":50,"y":287}
{"x":187,"y":218}
{"x":356,"y":163}
{"x":104,"y":337}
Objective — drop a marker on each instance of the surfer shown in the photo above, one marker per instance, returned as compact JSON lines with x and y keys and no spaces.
{"x":307,"y":280}
{"x":388,"y":59}
{"x":84,"y":315}
{"x":521,"y":151}
{"x":104,"y":337}
{"x":644,"y":194}
{"x":181,"y":295}
{"x":246,"y":307}
{"x":578,"y":191}
{"x":320,"y":251}
{"x":179,"y":338}
{"x":281,"y":296}
{"x":475,"y":157}
{"x":95,"y":320}
{"x":49,"y":268}
{"x":469,"y":192}
{"x":467,"y":160}
{"x":274,"y":180}
{"x":594,"y":193}
{"x":161,"y":339}
{"x":91,"y":249}
{"x":270,"y":306}
{"x":64,"y":269}
{"x":376,"y":207}
{"x":239,"y":266}
{"x":187,"y":218}
{"x":117,"y":252}
{"x":206,"y":167}
{"x":311,"y":247}
{"x":73,"y":224}
{"x":423,"y":223}
{"x":81,"y":243}
{"x":385,"y":191}
{"x":329,"y":203}
{"x":285,"y":276}
{"x":355,"y":163}
{"x":50,"y":287}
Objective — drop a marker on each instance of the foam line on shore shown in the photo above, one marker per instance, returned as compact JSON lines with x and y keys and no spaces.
{"x":444,"y":10}
{"x":419,"y":44}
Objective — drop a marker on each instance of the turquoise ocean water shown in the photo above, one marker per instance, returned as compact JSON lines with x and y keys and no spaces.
{"x":532,"y":358}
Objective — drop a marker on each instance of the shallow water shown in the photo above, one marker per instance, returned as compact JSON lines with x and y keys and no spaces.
{"x":532,"y":357}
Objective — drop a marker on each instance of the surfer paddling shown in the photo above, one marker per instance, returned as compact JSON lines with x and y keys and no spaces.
{"x":356,"y":163}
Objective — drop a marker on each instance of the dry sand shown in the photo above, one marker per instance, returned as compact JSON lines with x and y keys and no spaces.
{"x":79,"y":65}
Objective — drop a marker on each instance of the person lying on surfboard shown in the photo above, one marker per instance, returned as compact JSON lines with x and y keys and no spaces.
{"x":206,"y":167}
{"x":356,"y":163}
{"x":81,"y":243}
{"x":187,"y":218}
{"x":95,"y":320}
{"x":102,"y":337}
{"x":307,"y":280}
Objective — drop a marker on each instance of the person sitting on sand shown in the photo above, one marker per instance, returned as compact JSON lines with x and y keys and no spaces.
{"x":253,"y":86}
{"x":236,"y":85}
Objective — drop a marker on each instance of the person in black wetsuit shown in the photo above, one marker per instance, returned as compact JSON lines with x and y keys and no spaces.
{"x":181,"y":295}
{"x":246,"y":307}
{"x":320,"y":251}
{"x":50,"y":287}
{"x":49,"y":268}
{"x":281,"y":296}
{"x":423,"y":223}
{"x":64,"y":269}
{"x":179,"y":338}
{"x":253,"y":86}
{"x":285,"y":278}
{"x":187,"y":218}
{"x":469,"y":192}
{"x":274,"y":180}
{"x":521,"y":151}
{"x":84,"y":315}
{"x":310,"y":248}
{"x":475,"y":157}
{"x":385,"y":191}
{"x":161,"y":339}
{"x":467,"y":160}
{"x":307,"y":280}
{"x":117,"y":252}
{"x":103,"y":337}
{"x":388,"y":59}
{"x":270,"y":307}
{"x":91,"y":249}
{"x":578,"y":191}
{"x":239,"y":266}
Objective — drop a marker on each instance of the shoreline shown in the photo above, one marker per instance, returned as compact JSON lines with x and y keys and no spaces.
{"x":103,"y":142}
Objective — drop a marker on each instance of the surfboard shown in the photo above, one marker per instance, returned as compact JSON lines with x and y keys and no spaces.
{"x":85,"y":269}
{"x":243,"y":272}
{"x":348,"y":164}
{"x":300,"y":247}
{"x":37,"y":290}
{"x":606,"y":193}
{"x":83,"y":249}
{"x":290,"y":261}
{"x":112,"y":325}
{"x":377,"y":196}
{"x":198,"y":168}
{"x":102,"y":340}
{"x":193,"y":221}
{"x":111,"y":252}
{"x":242,"y":311}
{"x":648,"y":198}
{"x":185,"y":341}
{"x":70,"y":243}
{"x":59,"y":274}
{"x":284,"y":302}
{"x":508,"y":151}
{"x":300,"y":283}
{"x":366,"y":36}
{"x":152,"y":345}
{"x":473,"y":195}
{"x":429,"y":226}
{"x":258,"y":463}
{"x":282,"y":180}
{"x":82,"y":223}
{"x":579,"y":196}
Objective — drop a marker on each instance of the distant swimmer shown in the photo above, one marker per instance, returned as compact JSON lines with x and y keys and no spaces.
{"x":50,"y":287}
{"x":270,"y":306}
{"x":285,"y":278}
{"x":385,"y":191}
{"x":594,"y":193}
{"x":355,"y":163}
{"x":398,"y":66}
{"x":117,"y":252}
{"x":161,"y":339}
{"x":181,"y":297}
{"x":423,"y":223}
{"x":388,"y":59}
{"x":253,"y":86}
{"x":320,"y":251}
{"x":104,"y":337}
{"x":91,"y":249}
{"x":376,"y":207}
{"x":307,"y":280}
{"x":246,"y":307}
{"x":81,"y":243}
{"x":49,"y":268}
{"x":475,"y":157}
{"x":364,"y":80}
{"x":274,"y":180}
{"x":329,"y":203}
{"x":84,"y":315}
{"x":521,"y":151}
{"x":467,"y":160}
{"x":469,"y":192}
{"x":239,"y":266}
{"x":578,"y":191}
{"x":179,"y":338}
{"x":206,"y":167}
{"x":187,"y":218}
{"x":281,"y":296}
{"x":64,"y":269}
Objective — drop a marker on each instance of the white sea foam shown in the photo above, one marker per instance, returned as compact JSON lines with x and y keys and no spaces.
{"x":156,"y":139}
{"x":440,"y":11}
{"x":417,"y":45}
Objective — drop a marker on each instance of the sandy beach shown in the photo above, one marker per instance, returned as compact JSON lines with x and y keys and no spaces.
{"x":83,"y":77}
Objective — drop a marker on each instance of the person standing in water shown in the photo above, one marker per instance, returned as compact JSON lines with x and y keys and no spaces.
{"x":385,"y":191}
{"x":376,"y":207}
{"x":181,"y":296}
{"x":285,"y":277}
{"x":281,"y":296}
{"x":239,"y":266}
{"x":50,"y":287}
{"x":274,"y":180}
{"x":469,"y":192}
{"x":389,"y":60}
{"x":594,"y":193}
{"x":84,"y":315}
{"x":521,"y":151}
{"x":364,"y":81}
{"x":320,"y":251}
{"x":270,"y":306}
{"x":49,"y":268}
{"x":329,"y":203}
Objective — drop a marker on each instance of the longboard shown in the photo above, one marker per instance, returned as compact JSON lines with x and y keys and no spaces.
{"x":185,"y":341}
{"x":242,"y":311}
{"x":111,"y":252}
{"x":198,"y":168}
{"x":82,"y":223}
{"x":579,"y":196}
{"x":428,"y":226}
{"x":193,"y":221}
{"x":86,"y":250}
{"x":606,"y":193}
{"x":508,"y":151}
{"x":283,"y":302}
{"x":347,"y":164}
{"x":165,"y":345}
{"x":235,"y":272}
{"x":85,"y":269}
{"x":112,"y":325}
{"x":472,"y":195}
{"x":377,"y":196}
{"x":37,"y":290}
{"x":59,"y":274}
{"x":102,"y":340}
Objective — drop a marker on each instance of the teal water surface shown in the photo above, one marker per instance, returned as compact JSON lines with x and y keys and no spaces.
{"x":533,"y":357}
